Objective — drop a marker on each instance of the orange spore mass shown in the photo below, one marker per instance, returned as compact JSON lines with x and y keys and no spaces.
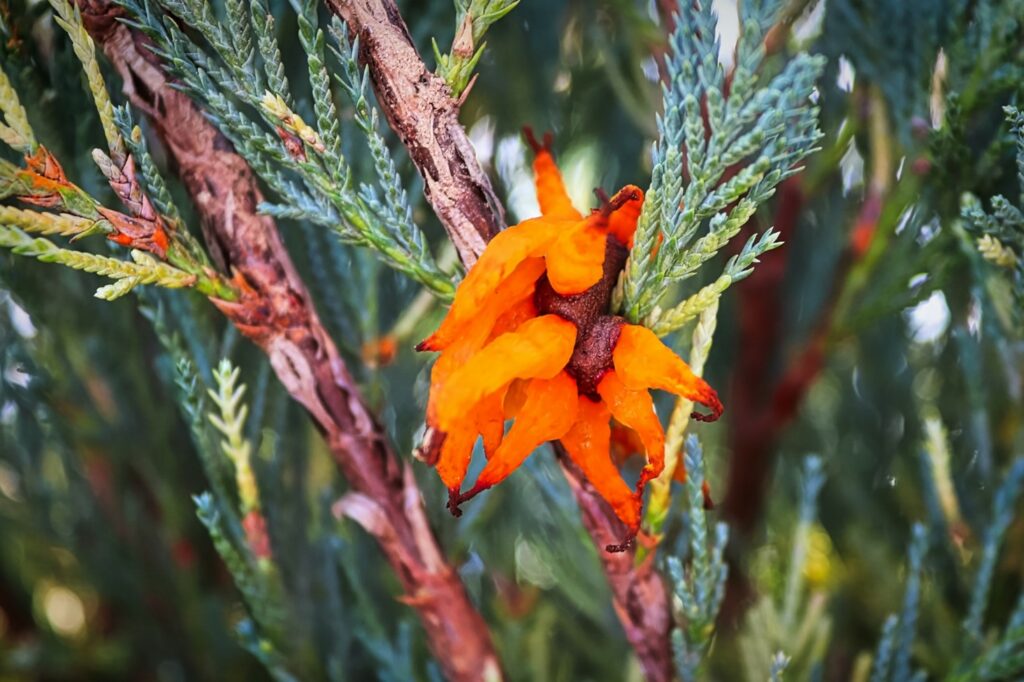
{"x":529,"y":337}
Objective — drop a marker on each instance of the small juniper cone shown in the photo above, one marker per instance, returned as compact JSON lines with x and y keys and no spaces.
{"x":529,"y":337}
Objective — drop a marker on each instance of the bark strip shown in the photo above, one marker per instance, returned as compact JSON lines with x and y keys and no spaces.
{"x":276,"y":312}
{"x":421,"y":110}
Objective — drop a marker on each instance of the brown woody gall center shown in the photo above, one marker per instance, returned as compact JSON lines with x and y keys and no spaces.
{"x":598,"y":332}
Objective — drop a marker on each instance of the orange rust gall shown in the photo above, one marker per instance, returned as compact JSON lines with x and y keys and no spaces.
{"x":529,"y":338}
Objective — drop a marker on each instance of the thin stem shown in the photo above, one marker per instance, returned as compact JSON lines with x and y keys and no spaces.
{"x":661,"y":488}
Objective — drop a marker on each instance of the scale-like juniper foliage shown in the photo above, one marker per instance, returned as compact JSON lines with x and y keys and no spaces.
{"x":721,"y":152}
{"x":304,"y":165}
{"x":699,"y":586}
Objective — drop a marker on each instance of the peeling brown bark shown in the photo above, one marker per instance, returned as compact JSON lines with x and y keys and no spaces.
{"x":276,"y":312}
{"x":420,"y":109}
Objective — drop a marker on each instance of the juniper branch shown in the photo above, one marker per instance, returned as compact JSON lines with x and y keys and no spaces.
{"x":145,"y":269}
{"x":39,"y":222}
{"x":472,"y":19}
{"x":17,"y":134}
{"x":737,"y":150}
{"x":737,"y":268}
{"x":699,"y":587}
{"x":326,"y":196}
{"x":231,"y":423}
{"x":70,"y":20}
{"x":302,"y":354}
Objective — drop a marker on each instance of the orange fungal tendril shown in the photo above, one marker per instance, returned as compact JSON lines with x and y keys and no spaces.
{"x":529,"y":338}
